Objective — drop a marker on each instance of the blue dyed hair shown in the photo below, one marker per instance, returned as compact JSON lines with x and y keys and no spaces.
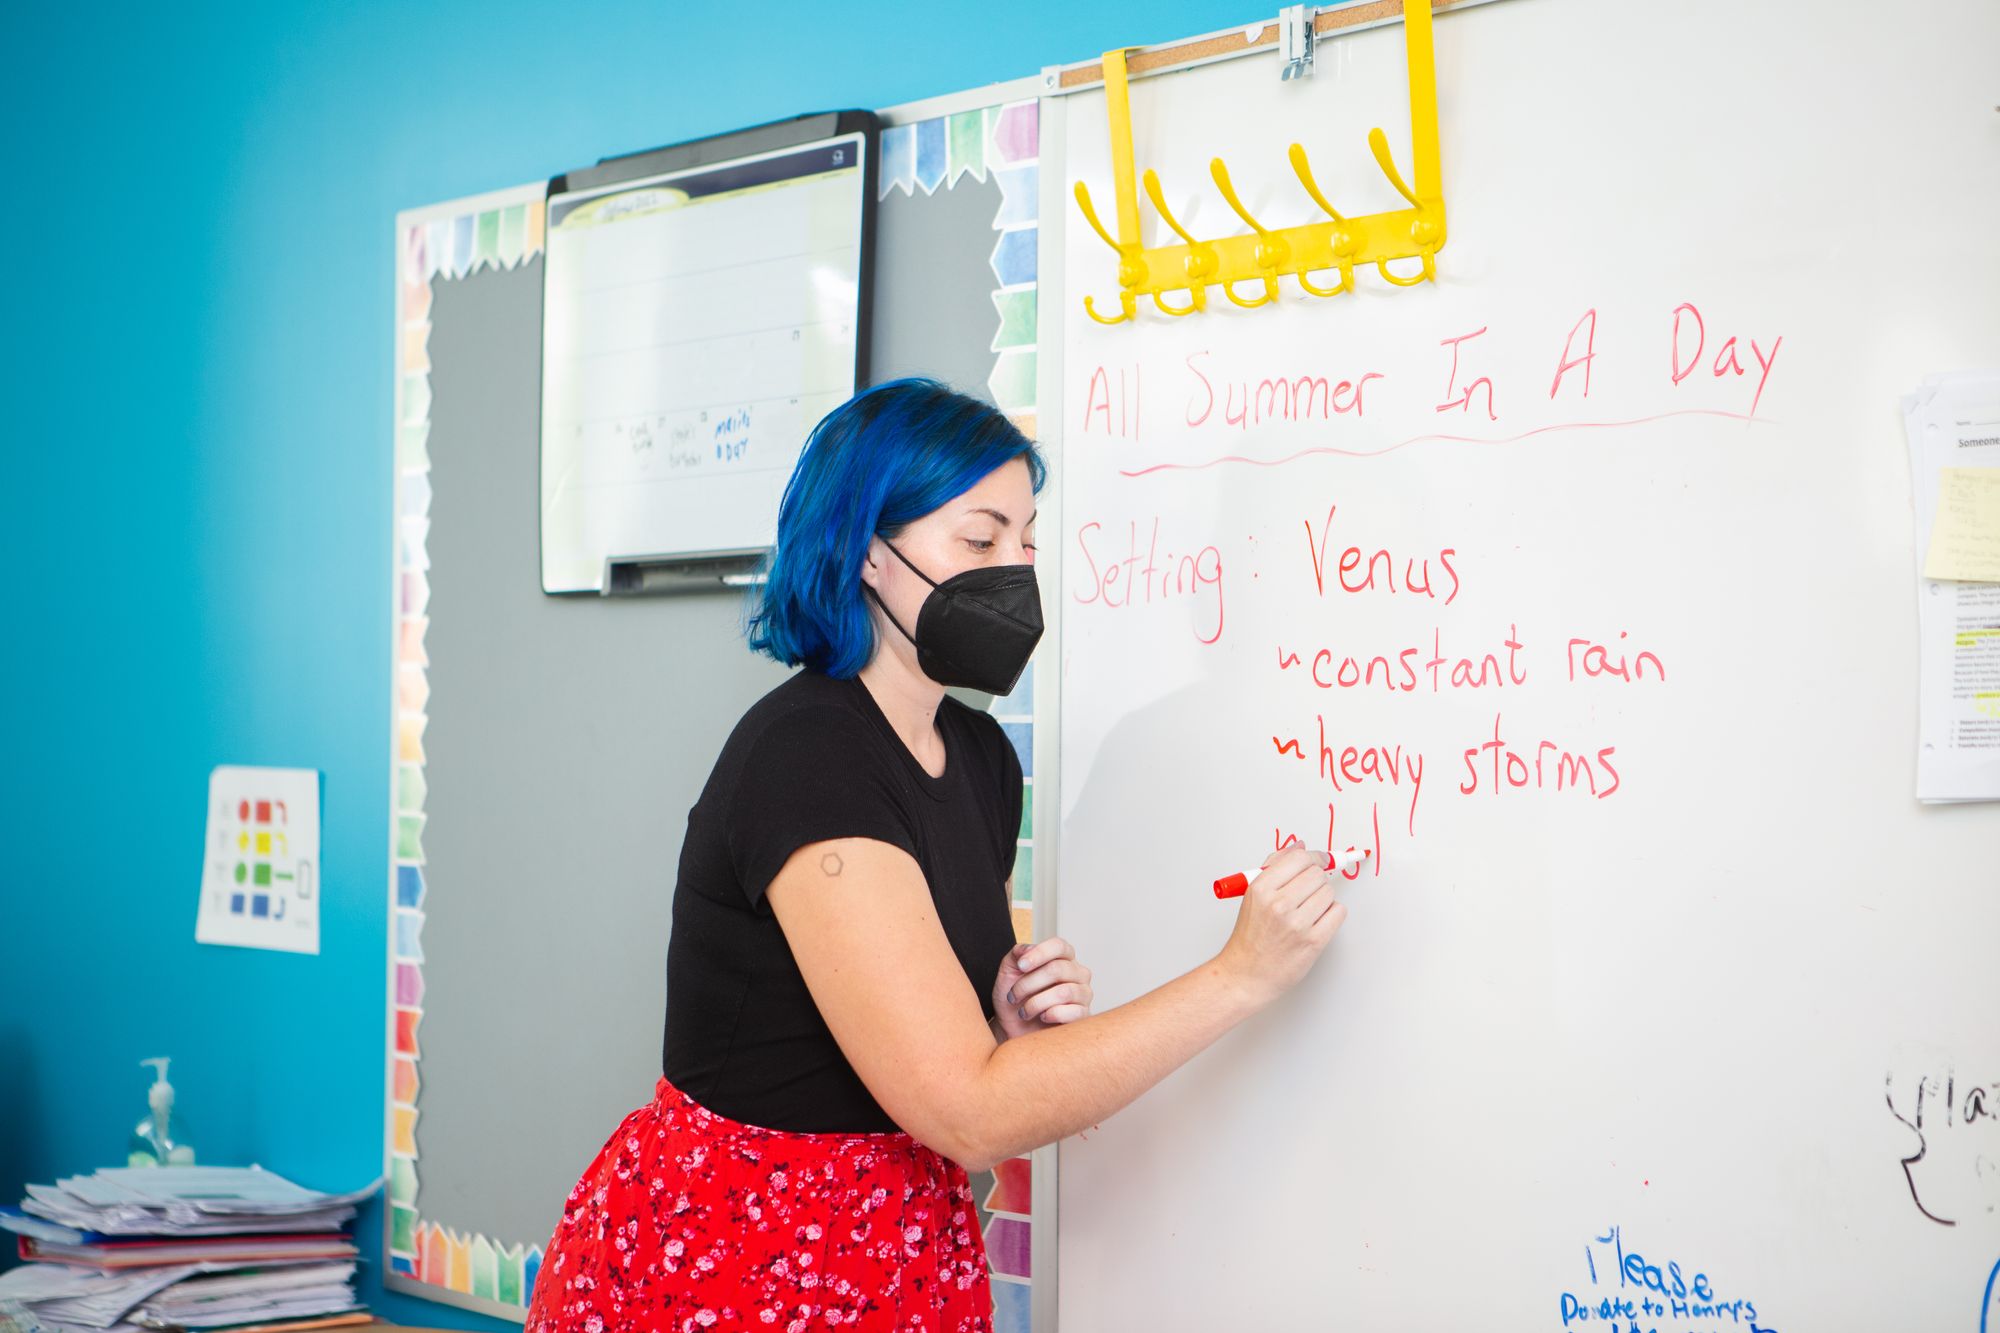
{"x":878,"y":462}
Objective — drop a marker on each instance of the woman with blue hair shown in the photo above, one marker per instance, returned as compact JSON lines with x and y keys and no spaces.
{"x":851,"y":1026}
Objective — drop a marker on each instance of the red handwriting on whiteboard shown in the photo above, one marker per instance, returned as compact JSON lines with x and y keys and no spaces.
{"x":1371,"y":842}
{"x":1691,"y":336}
{"x":1146,"y":575}
{"x":1569,"y":362}
{"x":1545,"y":766}
{"x":1350,"y":766}
{"x":1352,"y":577}
{"x":1111,"y":405}
{"x":1464,"y":401}
{"x":1598,"y":660}
{"x":1298,"y":398}
{"x":1405,"y":670}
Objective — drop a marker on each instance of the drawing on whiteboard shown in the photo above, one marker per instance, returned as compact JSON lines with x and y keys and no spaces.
{"x":1957,"y":1129}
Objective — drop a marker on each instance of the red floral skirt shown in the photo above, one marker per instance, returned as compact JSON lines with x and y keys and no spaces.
{"x":687,"y":1220}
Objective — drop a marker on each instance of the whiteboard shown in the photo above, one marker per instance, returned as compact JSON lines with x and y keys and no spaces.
{"x":1652,"y":1020}
{"x":697,"y":323}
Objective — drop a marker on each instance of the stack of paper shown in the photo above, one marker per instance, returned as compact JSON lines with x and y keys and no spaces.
{"x":184,"y":1201}
{"x":1953,"y":423}
{"x":181,"y":1247}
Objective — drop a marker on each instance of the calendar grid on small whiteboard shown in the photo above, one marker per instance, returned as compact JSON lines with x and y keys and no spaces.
{"x":681,"y":377}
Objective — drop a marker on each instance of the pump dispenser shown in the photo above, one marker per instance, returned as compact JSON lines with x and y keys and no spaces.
{"x":156,"y":1140}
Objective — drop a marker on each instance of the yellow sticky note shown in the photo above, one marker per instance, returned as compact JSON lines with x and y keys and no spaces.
{"x":1965,"y":537}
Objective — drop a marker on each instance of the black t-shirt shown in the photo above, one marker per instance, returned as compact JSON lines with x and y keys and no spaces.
{"x":816,"y":759}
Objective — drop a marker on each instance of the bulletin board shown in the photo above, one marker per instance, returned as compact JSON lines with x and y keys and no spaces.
{"x":546,"y":750}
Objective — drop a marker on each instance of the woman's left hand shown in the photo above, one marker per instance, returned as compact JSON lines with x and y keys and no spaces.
{"x":1040,"y":985}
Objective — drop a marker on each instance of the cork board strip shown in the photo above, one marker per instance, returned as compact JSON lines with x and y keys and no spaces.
{"x":1327,"y":23}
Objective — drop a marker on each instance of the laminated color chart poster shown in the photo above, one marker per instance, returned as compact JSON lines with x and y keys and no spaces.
{"x":260,"y":862}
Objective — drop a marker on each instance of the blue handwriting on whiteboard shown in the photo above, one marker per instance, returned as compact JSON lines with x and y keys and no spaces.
{"x":1633,"y":1294}
{"x":732,"y":436}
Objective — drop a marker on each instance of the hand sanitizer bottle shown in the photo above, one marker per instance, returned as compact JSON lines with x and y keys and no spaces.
{"x":155,"y":1142}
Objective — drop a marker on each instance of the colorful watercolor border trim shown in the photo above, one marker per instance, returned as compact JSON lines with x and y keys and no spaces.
{"x":1005,"y":142}
{"x":498,"y":232}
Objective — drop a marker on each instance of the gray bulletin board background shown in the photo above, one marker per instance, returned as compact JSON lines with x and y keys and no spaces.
{"x":568,"y":737}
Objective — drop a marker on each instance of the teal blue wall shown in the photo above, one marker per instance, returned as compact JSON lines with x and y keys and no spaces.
{"x":194,"y":516}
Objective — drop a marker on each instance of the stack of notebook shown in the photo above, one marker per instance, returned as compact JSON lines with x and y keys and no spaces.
{"x":216,"y":1249}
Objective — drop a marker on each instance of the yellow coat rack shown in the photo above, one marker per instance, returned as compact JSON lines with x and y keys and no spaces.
{"x":1336,"y":246}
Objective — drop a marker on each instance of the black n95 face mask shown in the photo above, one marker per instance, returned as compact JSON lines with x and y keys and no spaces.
{"x":976,"y":629}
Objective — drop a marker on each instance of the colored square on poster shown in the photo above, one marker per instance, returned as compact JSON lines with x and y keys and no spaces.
{"x":261,"y":876}
{"x":260,"y":904}
{"x":236,"y":903}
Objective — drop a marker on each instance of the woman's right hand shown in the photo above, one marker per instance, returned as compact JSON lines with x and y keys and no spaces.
{"x":1287,"y":916}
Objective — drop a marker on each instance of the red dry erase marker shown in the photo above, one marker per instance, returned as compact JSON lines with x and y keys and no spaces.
{"x":1233,"y":886}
